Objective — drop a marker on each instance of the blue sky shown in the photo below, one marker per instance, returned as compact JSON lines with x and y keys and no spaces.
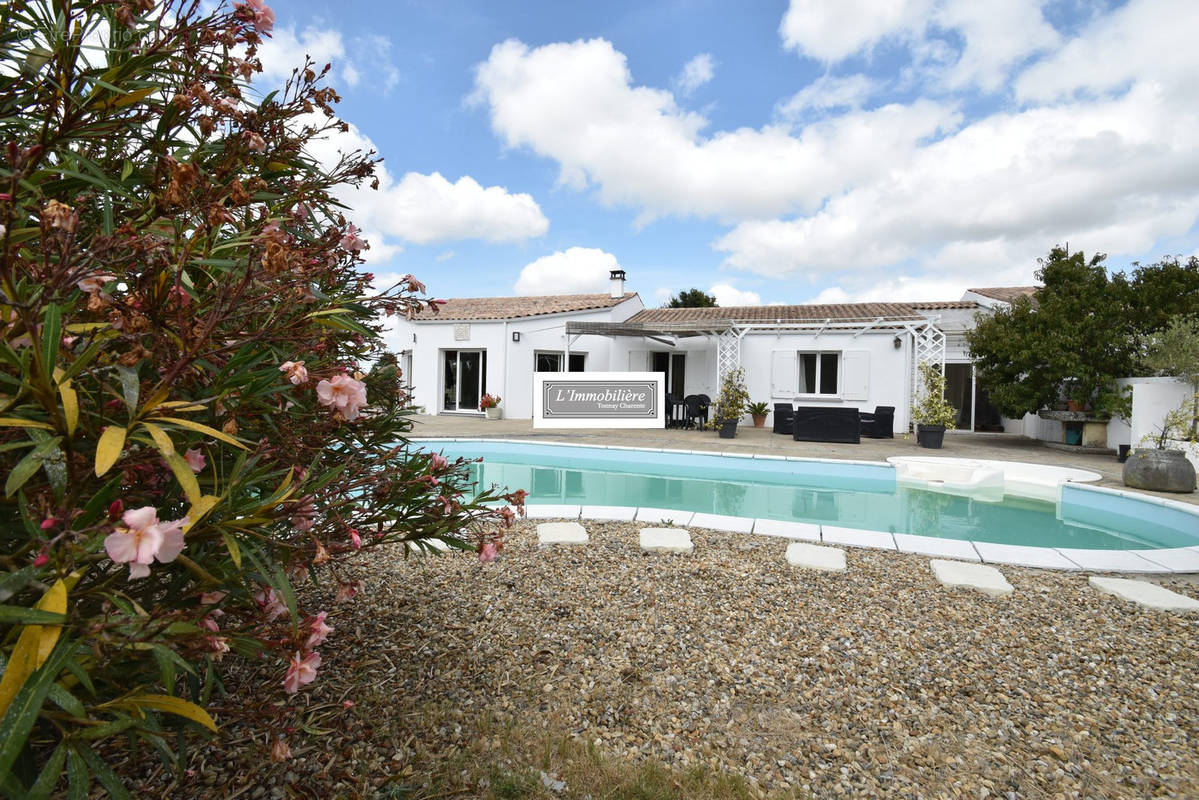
{"x":811,"y":151}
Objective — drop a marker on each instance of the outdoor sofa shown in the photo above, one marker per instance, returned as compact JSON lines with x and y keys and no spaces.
{"x":826,"y":424}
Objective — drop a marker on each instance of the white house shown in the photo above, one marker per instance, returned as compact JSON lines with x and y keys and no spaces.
{"x":854,"y":354}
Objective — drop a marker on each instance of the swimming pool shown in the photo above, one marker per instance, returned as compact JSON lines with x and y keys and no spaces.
{"x":856,"y":495}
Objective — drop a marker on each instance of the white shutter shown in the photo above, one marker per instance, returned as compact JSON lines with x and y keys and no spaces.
{"x":855,"y":375}
{"x":639,"y":361}
{"x":698,"y":381}
{"x":784,"y":374}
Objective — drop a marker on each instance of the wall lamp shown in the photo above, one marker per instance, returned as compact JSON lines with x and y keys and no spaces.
{"x":897,"y":342}
{"x":516,"y":336}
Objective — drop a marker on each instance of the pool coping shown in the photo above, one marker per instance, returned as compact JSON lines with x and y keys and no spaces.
{"x":1168,"y":561}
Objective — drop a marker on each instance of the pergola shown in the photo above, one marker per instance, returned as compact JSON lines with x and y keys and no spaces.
{"x":928,"y":340}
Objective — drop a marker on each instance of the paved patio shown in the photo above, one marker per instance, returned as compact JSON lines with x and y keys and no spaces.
{"x":1000,"y":446}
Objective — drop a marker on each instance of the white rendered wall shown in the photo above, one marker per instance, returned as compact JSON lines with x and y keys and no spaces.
{"x":1152,"y":399}
{"x":509,"y":364}
{"x":888,"y":383}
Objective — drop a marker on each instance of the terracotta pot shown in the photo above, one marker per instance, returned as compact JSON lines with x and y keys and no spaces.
{"x":759,"y":420}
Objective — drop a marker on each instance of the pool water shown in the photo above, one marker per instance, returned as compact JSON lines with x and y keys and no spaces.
{"x":846,"y":494}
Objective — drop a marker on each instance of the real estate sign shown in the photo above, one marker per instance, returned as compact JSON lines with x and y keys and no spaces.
{"x":598,"y":400}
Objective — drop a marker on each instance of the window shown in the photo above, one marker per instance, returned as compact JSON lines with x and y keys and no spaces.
{"x":818,"y":373}
{"x":552,"y":362}
{"x":464,"y":374}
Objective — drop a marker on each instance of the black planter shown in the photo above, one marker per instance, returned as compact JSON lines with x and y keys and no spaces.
{"x":1123,"y":452}
{"x":930,"y":436}
{"x":1159,"y":471}
{"x":728,"y":430}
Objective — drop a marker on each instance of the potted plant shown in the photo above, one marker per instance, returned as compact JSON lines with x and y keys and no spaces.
{"x":489,"y":404}
{"x":730,"y":403}
{"x":932,"y":413}
{"x":1161,"y":468}
{"x":759,"y":411}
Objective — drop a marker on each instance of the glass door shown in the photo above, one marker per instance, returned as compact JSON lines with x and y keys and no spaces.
{"x":465,"y":372}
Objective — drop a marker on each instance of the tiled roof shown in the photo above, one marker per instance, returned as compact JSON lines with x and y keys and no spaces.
{"x":1006,"y":293}
{"x":937,"y":305}
{"x":767,"y":314}
{"x":472,"y":308}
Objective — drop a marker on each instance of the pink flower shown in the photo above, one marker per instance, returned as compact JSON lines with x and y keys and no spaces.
{"x":194,"y":459}
{"x":488,"y":552}
{"x":302,"y":514}
{"x":143,"y":539}
{"x":212,"y":598}
{"x":297,"y":373}
{"x":270,"y":603}
{"x":300,"y":211}
{"x":355,"y":539}
{"x":219,"y":645}
{"x":255,"y":142}
{"x":350,"y":240}
{"x":209,"y":623}
{"x":280,"y":751}
{"x":42,"y":560}
{"x":319,"y":631}
{"x":343,"y":394}
{"x":437,"y":462}
{"x":94,"y":282}
{"x":264,"y":18}
{"x":301,"y":671}
{"x":346,"y":591}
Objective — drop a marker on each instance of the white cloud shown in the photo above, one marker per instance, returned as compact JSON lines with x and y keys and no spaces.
{"x":426,"y":209}
{"x":575,"y":103}
{"x":1115,"y":174}
{"x":727,"y":296}
{"x":828,"y":92}
{"x":284,"y":52}
{"x":369,"y":57}
{"x":997,"y":35}
{"x":663,"y":294}
{"x":1143,"y":41}
{"x":834,"y":31}
{"x":578,"y":270}
{"x":695,"y":74}
{"x":994,"y":36}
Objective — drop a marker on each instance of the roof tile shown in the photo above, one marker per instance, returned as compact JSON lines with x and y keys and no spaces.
{"x":479,"y":308}
{"x":749,"y":314}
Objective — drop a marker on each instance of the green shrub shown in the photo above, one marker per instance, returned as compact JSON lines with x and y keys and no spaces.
{"x":183,"y":429}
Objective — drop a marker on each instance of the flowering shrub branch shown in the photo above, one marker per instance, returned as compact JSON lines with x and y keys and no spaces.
{"x":184,"y":430}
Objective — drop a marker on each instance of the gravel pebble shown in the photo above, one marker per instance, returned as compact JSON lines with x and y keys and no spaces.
{"x":876,"y":682}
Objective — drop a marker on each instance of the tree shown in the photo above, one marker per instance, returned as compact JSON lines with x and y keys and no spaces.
{"x":1163,"y":291}
{"x":692,"y":298}
{"x":1073,"y":339}
{"x":184,"y":432}
{"x":1174,"y":351}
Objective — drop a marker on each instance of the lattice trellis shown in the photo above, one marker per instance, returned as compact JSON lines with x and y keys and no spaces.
{"x":930,"y":349}
{"x":728,"y":353}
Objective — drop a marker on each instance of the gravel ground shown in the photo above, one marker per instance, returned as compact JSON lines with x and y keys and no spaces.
{"x":874,"y":682}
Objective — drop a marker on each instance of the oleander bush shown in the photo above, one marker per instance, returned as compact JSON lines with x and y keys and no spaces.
{"x":185,"y":433}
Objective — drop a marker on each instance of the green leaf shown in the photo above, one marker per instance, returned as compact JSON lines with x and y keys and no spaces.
{"x":51,"y":773}
{"x":79,"y":780}
{"x":51,"y":335}
{"x":66,"y":701}
{"x":19,"y":615}
{"x":108,"y":779}
{"x":23,"y":471}
{"x":23,"y":712}
{"x":130,"y":385}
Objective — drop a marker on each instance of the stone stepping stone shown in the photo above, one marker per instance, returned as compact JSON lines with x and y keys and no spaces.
{"x":814,"y":556}
{"x":1145,"y":593}
{"x":666,"y":540}
{"x":980,"y":577}
{"x":551,"y":533}
{"x":432,"y":546}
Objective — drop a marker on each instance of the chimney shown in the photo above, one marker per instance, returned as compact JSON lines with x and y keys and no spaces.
{"x":617,"y":276}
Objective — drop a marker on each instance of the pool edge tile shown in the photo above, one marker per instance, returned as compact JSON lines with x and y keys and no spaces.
{"x":857,"y":537}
